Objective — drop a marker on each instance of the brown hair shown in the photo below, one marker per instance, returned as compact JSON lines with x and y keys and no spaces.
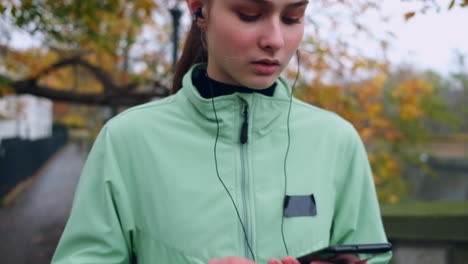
{"x":194,"y":52}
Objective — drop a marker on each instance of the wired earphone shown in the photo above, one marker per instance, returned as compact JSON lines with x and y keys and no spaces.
{"x":198,"y":14}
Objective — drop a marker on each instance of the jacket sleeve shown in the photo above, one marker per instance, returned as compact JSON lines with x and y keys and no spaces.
{"x":357,"y":218}
{"x":94,"y":232}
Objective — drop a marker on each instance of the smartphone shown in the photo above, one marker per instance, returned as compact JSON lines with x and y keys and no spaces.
{"x":333,"y":253}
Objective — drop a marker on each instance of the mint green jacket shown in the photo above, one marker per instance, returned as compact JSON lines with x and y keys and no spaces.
{"x":149,"y":192}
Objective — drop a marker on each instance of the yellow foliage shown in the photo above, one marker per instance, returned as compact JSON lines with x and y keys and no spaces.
{"x":366,"y":134}
{"x":6,"y":90}
{"x":29,"y":62}
{"x":393,"y":199}
{"x":409,"y":93}
{"x":409,"y":111}
{"x":364,"y":105}
{"x":380,"y":79}
{"x":73,"y":120}
{"x":374,"y":110}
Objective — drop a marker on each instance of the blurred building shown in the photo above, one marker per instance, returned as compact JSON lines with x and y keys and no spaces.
{"x":26,"y":117}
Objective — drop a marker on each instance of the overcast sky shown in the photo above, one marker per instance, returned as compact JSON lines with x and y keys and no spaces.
{"x":429,"y":40}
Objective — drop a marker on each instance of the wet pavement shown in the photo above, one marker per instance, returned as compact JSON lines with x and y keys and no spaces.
{"x":31,"y":226}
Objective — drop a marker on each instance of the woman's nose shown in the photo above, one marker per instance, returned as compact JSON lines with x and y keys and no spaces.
{"x":272,"y":37}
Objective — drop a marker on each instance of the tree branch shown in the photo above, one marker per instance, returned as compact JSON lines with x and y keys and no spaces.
{"x":103,"y":77}
{"x":115,"y":95}
{"x":31,"y":86}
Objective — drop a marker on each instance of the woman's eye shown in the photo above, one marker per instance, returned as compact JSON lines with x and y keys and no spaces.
{"x":287,"y":20}
{"x":248,"y":18}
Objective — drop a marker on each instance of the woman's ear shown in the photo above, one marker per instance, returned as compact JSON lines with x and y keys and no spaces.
{"x":196,"y":9}
{"x":194,"y":5}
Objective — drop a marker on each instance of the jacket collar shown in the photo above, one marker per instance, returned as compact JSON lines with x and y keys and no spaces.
{"x":256,"y":102}
{"x":266,"y":114}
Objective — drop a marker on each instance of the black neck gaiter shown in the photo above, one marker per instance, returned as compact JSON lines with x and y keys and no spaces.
{"x":202,"y":82}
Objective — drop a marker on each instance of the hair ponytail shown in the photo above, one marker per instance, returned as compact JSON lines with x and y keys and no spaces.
{"x":194,"y":52}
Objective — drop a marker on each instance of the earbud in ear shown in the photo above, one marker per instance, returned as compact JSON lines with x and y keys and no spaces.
{"x":197,"y":14}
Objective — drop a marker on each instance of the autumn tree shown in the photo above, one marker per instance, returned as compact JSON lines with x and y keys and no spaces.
{"x":453,"y":89}
{"x":88,"y":43}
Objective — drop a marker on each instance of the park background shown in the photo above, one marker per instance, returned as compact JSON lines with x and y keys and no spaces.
{"x":396,"y":69}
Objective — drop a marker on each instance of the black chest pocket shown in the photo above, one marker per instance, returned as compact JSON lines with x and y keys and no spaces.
{"x":299,"y":205}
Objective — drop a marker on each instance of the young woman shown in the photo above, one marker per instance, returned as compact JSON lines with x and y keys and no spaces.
{"x":231,"y":168}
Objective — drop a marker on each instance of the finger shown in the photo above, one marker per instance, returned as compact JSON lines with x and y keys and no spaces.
{"x":289,"y":260}
{"x":273,"y":261}
{"x":233,"y":260}
{"x":213,"y":261}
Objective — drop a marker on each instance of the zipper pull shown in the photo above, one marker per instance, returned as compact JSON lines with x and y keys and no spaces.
{"x":245,"y":125}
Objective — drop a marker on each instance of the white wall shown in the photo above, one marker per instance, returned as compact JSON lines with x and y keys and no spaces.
{"x":25,"y":116}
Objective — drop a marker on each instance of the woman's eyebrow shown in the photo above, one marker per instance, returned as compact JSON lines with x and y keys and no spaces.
{"x":298,"y":4}
{"x":269,"y":3}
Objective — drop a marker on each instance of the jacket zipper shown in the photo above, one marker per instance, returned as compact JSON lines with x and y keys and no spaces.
{"x":245,"y":124}
{"x":245,"y":175}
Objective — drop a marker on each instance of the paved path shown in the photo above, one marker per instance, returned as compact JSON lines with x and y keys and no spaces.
{"x":31,"y":226}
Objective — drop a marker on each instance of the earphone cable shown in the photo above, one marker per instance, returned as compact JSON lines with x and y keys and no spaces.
{"x":219,"y":177}
{"x":287,"y":149}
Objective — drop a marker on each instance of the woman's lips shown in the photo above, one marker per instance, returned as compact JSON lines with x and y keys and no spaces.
{"x":265,"y":67}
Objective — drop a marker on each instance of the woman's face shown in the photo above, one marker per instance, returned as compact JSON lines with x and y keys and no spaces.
{"x":251,"y":41}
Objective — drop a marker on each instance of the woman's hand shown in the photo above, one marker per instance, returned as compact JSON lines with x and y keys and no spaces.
{"x":341,"y":259}
{"x":344,"y":259}
{"x":231,"y":260}
{"x":285,"y":260}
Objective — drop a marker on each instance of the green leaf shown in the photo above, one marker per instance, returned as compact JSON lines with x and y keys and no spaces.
{"x":13,"y":11}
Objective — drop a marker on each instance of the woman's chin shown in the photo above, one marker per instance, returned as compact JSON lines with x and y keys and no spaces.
{"x":260,"y":82}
